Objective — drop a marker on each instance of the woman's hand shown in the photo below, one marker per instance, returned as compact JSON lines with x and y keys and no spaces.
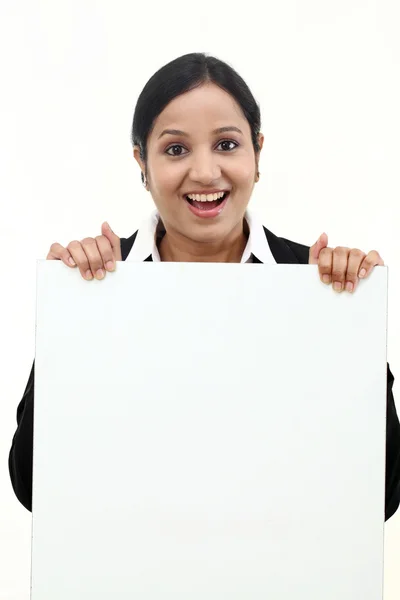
{"x":343,"y":267}
{"x":93,"y":256}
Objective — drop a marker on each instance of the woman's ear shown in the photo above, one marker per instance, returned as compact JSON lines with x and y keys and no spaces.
{"x":136,"y":156}
{"x":260,"y":138}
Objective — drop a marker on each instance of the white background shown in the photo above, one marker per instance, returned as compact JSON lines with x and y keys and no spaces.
{"x":326,"y":76}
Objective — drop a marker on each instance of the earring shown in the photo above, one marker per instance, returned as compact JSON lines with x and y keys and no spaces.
{"x":144,"y":180}
{"x":258,"y":175}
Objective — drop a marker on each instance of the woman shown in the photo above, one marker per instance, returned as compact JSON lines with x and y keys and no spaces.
{"x":196,"y":137}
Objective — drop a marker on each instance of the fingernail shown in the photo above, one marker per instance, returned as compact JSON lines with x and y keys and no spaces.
{"x":110,"y":265}
{"x":100,"y":274}
{"x":326,"y":278}
{"x":71,"y":261}
{"x":337,"y":286}
{"x":362,"y":273}
{"x":89,"y":274}
{"x":349,"y":286}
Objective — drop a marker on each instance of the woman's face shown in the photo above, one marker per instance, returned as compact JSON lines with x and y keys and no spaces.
{"x":200,"y":159}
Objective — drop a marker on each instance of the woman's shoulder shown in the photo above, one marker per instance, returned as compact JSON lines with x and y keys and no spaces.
{"x":301,"y":250}
{"x":284,"y":248}
{"x":126,"y":244}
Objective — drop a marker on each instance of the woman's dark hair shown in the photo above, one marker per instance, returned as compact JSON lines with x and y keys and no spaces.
{"x":182,"y":75}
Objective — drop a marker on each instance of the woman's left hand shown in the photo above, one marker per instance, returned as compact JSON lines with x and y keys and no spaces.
{"x":343,"y":267}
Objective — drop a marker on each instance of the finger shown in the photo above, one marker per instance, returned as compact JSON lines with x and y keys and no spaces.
{"x":92,"y":252}
{"x":81,"y":259}
{"x":106,"y":252}
{"x":371,"y":260}
{"x":325,"y":265}
{"x":58,"y":252}
{"x":355,"y":259}
{"x":114,"y":240}
{"x":315,"y":250}
{"x":339,"y":267}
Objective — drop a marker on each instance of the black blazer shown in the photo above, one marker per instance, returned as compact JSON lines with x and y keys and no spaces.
{"x":284,"y":251}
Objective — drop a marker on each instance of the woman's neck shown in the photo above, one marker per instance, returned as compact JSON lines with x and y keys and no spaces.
{"x":178,"y":249}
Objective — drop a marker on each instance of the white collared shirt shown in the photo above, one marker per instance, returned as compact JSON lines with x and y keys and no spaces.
{"x":145,"y":243}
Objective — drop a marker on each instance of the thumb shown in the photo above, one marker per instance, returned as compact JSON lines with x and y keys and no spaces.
{"x":321,"y":243}
{"x":113,"y":239}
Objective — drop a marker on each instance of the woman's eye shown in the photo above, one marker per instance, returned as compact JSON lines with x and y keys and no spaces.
{"x":172,"y":148}
{"x":229,"y":142}
{"x":179,"y":147}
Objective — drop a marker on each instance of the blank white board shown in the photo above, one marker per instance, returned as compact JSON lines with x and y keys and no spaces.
{"x":208,"y":431}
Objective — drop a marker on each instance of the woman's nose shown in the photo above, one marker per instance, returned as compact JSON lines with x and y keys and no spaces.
{"x":205,"y":170}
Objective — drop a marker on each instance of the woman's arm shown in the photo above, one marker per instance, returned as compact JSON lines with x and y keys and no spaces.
{"x":21,"y":453}
{"x":20,"y":457}
{"x":300,"y":254}
{"x":392,"y":451}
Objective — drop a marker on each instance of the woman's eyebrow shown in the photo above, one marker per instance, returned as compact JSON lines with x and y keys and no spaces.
{"x":183,"y":133}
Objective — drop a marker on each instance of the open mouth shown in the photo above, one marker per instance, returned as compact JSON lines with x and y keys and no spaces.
{"x":207,"y":205}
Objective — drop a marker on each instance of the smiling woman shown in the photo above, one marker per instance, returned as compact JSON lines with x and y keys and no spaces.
{"x":196,"y":137}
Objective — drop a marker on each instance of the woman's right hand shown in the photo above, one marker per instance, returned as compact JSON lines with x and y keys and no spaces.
{"x":93,"y":256}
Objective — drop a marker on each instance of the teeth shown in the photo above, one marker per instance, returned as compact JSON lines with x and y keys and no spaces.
{"x":206,"y":197}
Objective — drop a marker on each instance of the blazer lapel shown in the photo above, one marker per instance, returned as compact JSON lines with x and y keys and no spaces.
{"x":280,"y":250}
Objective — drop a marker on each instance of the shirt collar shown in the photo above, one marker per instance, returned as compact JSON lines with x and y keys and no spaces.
{"x":145,"y":244}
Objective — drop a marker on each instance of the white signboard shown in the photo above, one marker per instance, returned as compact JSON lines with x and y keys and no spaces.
{"x":208,"y":432}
